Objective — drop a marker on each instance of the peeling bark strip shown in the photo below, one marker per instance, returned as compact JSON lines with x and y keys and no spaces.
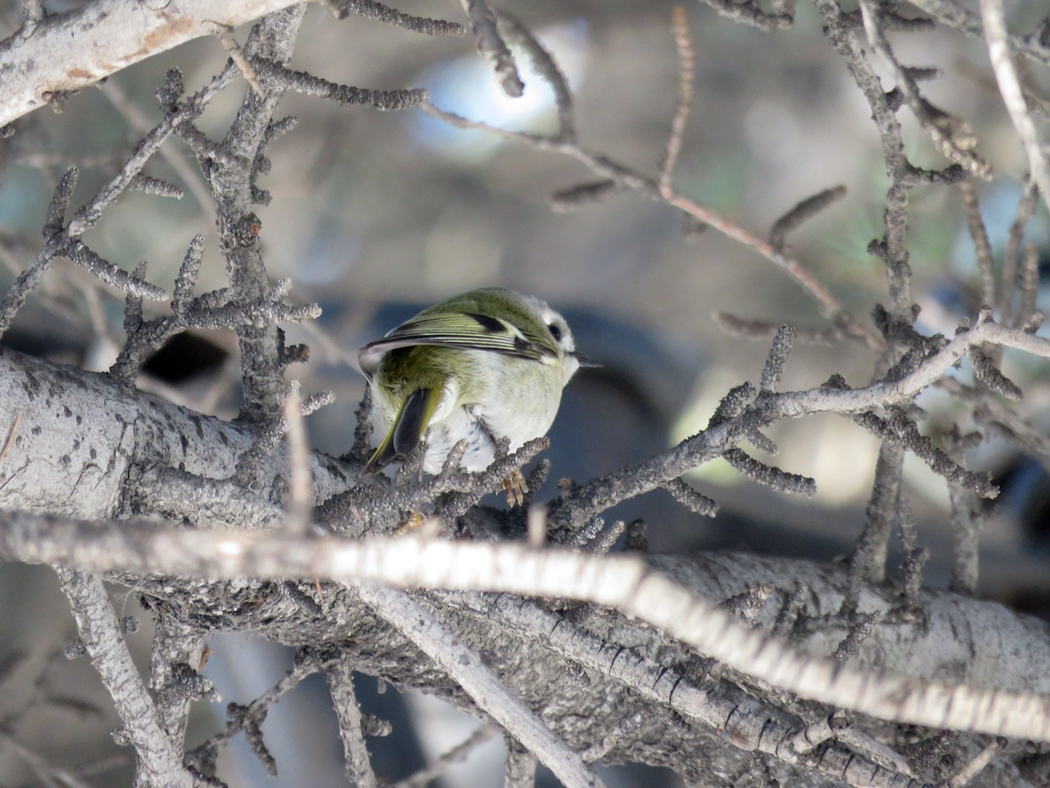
{"x":67,"y":52}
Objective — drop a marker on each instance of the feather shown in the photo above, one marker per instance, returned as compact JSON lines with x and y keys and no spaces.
{"x":458,"y":330}
{"x":408,"y":429}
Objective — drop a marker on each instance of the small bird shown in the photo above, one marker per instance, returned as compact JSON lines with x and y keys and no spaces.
{"x":481,"y":366}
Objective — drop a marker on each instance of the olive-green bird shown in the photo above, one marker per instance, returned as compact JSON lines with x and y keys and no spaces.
{"x":481,"y":366}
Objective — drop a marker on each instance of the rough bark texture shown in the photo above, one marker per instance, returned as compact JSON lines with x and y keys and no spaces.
{"x":68,"y":52}
{"x":723,"y":667}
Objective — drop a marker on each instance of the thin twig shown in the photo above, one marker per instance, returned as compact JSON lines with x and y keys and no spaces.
{"x":464,"y":665}
{"x":225,"y":35}
{"x":1025,"y":210}
{"x":359,"y":771}
{"x":158,"y":761}
{"x":256,"y":710}
{"x":830,"y":306}
{"x":10,"y":436}
{"x":1029,"y":286}
{"x":546,"y":67}
{"x":1010,"y":87}
{"x":300,"y":481}
{"x":777,"y":359}
{"x":977,"y":764}
{"x":982,"y":247}
{"x":460,"y":752}
{"x":492,"y":47}
{"x":686,"y":68}
{"x":804,"y":211}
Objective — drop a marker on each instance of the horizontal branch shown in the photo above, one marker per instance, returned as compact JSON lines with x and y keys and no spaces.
{"x":743,"y":419}
{"x":895,"y":392}
{"x":81,"y":443}
{"x":625,"y":582}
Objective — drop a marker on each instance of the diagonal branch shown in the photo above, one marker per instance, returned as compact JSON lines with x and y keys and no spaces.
{"x":67,"y":52}
{"x":625,"y":582}
{"x":1010,"y":87}
{"x":484,"y":687}
{"x":159,"y":762}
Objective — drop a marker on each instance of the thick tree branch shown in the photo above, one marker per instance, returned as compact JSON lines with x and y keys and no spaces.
{"x":625,"y":582}
{"x":67,"y":52}
{"x":87,"y":446}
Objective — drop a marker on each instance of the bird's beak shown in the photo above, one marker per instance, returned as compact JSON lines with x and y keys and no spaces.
{"x":586,"y":363}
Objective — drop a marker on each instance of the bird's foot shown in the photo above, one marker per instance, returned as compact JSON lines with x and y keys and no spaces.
{"x":515,"y":488}
{"x":411,"y":525}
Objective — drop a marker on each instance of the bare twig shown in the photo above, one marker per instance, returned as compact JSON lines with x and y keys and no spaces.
{"x":424,"y":777}
{"x":300,"y":482}
{"x":777,"y":359}
{"x":1025,"y":210}
{"x":803,"y":212}
{"x":10,"y":436}
{"x":1029,"y":285}
{"x":1010,"y":87}
{"x":545,"y":66}
{"x":752,"y":14}
{"x":816,"y":733}
{"x":952,"y":136}
{"x":369,"y":9}
{"x":981,"y":245}
{"x":690,"y":498}
{"x":957,"y":16}
{"x":977,"y":764}
{"x":686,"y":66}
{"x":628,"y":179}
{"x":225,"y":35}
{"x":606,"y":743}
{"x":464,"y":664}
{"x":158,"y":761}
{"x":309,"y":85}
{"x":492,"y":47}
{"x":340,"y":682}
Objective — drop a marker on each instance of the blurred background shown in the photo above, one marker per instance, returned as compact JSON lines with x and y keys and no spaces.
{"x":375,"y":215}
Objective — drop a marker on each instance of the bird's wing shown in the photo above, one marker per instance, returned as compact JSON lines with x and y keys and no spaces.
{"x":463,"y":330}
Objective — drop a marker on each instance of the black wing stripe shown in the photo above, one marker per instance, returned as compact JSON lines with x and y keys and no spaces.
{"x":371,"y":353}
{"x":489,"y":323}
{"x":409,"y":428}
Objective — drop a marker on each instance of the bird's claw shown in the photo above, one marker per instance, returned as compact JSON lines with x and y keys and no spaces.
{"x":515,"y":488}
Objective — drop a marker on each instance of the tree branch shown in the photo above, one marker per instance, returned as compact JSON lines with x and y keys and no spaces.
{"x":67,"y":52}
{"x":465,"y":666}
{"x":159,"y":763}
{"x":622,"y":581}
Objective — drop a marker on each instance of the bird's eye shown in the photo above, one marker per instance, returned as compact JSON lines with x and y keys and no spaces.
{"x":555,"y":330}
